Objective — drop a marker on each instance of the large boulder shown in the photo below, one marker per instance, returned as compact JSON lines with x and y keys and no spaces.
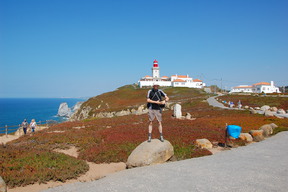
{"x":252,"y":111}
{"x":267,"y":129}
{"x":265,"y":107}
{"x":64,"y":110}
{"x":268,"y":113}
{"x":204,"y":144}
{"x":177,"y":111}
{"x":257,"y":135}
{"x":3,"y":187}
{"x":148,"y":153}
{"x":246,"y":137}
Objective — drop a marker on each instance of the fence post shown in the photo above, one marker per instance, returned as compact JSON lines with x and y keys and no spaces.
{"x":6,"y":127}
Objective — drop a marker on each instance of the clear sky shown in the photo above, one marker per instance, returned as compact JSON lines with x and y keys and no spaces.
{"x":72,"y":48}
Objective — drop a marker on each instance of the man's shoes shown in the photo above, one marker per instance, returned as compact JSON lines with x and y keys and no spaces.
{"x":149,"y":139}
{"x":161,"y":138}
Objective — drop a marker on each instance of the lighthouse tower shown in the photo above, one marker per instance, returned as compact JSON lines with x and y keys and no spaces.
{"x":155,"y":70}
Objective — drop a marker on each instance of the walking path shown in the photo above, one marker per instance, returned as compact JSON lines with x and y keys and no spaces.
{"x":257,"y":167}
{"x":213,"y":102}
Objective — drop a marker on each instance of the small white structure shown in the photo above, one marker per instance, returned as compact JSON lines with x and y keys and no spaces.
{"x":262,"y":87}
{"x":165,"y":81}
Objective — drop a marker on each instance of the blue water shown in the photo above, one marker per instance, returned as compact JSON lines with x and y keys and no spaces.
{"x":14,"y":110}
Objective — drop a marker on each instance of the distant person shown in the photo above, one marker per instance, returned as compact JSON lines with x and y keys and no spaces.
{"x":231,"y":104}
{"x":154,"y":100}
{"x":33,"y":125}
{"x":24,"y":126}
{"x":239,"y":104}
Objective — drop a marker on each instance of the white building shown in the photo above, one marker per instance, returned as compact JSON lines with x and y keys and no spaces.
{"x":165,"y":81}
{"x":262,"y":87}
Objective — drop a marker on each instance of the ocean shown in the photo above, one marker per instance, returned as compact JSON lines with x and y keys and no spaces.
{"x":14,"y":110}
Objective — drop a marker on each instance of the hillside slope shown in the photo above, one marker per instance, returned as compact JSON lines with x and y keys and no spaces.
{"x":129,"y":99}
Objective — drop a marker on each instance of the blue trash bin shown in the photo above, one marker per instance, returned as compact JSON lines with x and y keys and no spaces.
{"x":234,"y":131}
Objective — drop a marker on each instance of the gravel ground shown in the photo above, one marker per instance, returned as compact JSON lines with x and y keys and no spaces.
{"x":257,"y":167}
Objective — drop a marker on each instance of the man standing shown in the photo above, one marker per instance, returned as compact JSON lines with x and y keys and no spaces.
{"x":24,"y":126}
{"x":154,"y":100}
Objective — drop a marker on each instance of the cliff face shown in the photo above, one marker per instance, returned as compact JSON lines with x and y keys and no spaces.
{"x":127,"y":100}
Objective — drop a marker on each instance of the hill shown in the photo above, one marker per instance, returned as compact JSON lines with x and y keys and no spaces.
{"x":128,"y":99}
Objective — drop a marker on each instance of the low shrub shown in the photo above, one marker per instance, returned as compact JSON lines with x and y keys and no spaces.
{"x":22,"y":166}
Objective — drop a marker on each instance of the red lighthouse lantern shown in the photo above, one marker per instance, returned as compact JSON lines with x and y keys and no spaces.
{"x":155,"y":63}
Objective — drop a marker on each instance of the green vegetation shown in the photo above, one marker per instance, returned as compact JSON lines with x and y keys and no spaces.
{"x":20,"y":167}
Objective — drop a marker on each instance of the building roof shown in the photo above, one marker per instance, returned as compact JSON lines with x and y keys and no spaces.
{"x":165,"y":77}
{"x":179,"y":80}
{"x":180,"y":76}
{"x":197,"y":80}
{"x":243,"y":87}
{"x":147,"y":76}
{"x":262,"y":83}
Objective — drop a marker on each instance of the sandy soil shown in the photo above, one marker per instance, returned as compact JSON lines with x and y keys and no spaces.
{"x":4,"y":139}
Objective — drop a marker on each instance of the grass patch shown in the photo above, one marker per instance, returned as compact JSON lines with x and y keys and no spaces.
{"x":279,"y":129}
{"x":20,"y":167}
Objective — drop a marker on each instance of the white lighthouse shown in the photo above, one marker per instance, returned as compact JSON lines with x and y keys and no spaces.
{"x":155,"y":70}
{"x":172,"y":81}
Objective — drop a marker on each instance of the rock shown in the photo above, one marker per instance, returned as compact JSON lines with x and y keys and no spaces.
{"x":177,"y":111}
{"x":273,"y":125}
{"x":252,"y":111}
{"x":133,"y":111}
{"x":149,"y":153}
{"x":257,"y":135}
{"x":64,"y":110}
{"x":77,"y":105}
{"x":188,"y":116}
{"x":246,"y":137}
{"x":267,"y":130}
{"x":246,"y":107}
{"x":273,"y":109}
{"x":265,"y":107}
{"x":268,"y":113}
{"x":260,"y":112}
{"x":141,"y":110}
{"x":3,"y":187}
{"x":257,"y":108}
{"x":123,"y":113}
{"x":82,"y":113}
{"x":281,"y":111}
{"x":204,"y":144}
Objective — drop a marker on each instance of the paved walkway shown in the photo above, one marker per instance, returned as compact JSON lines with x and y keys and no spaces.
{"x":259,"y":167}
{"x":213,"y":102}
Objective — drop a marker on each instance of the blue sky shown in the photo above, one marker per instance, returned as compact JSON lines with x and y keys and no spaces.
{"x":72,"y":48}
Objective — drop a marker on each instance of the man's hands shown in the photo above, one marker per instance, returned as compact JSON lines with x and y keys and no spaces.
{"x":156,"y":102}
